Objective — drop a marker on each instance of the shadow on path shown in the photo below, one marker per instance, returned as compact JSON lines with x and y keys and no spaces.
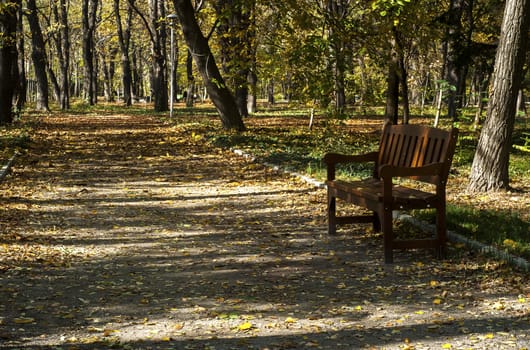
{"x":137,"y":236}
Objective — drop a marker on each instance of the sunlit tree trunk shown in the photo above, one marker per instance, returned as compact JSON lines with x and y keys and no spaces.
{"x":219,"y":93}
{"x":489,"y":171}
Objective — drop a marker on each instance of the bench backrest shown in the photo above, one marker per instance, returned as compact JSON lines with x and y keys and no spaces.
{"x":417,"y":145}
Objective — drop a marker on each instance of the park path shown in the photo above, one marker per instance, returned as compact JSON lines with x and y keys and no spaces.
{"x":126,"y":232}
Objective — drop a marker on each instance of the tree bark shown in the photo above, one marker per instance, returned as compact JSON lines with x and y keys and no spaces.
{"x":191,"y":80}
{"x":124,"y":37}
{"x":38,"y":55}
{"x":489,"y":171}
{"x":454,"y":53}
{"x":235,"y":42}
{"x":62,"y":47}
{"x":158,"y":52}
{"x":8,"y":60}
{"x":89,"y":26}
{"x":198,"y":45}
{"x":392,"y":93}
{"x":21,"y":86}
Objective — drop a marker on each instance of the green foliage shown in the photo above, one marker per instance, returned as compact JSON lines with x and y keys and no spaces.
{"x":389,"y":7}
{"x":525,"y":139}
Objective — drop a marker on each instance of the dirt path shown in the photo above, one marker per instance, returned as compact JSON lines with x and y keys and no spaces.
{"x":122,"y":232}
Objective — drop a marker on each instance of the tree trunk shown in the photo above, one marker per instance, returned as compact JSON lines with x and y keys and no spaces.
{"x":392,"y":94}
{"x":124,"y":37}
{"x":191,"y":80}
{"x":8,"y":61}
{"x":335,"y":12}
{"x":198,"y":45}
{"x":454,"y":52}
{"x":158,"y":52}
{"x":38,"y":55}
{"x":489,"y":171}
{"x":270,"y":92}
{"x":252,"y":96}
{"x":235,"y":41}
{"x":403,"y":77}
{"x":89,"y":26}
{"x":62,"y":47}
{"x":21,"y":86}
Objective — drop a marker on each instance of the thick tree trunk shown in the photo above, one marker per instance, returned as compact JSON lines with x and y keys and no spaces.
{"x":489,"y":171}
{"x":38,"y":55}
{"x":8,"y":62}
{"x":198,"y":45}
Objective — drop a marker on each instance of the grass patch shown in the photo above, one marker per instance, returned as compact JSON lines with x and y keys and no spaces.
{"x":504,"y":229}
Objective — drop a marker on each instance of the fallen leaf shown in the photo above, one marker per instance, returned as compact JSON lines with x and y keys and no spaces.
{"x":24,"y":320}
{"x":245,"y":326}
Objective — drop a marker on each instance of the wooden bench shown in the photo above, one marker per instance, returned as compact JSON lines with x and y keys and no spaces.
{"x":405,"y":151}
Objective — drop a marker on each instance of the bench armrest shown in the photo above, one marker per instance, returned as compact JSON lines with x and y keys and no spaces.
{"x":332,"y":159}
{"x":336,"y":158}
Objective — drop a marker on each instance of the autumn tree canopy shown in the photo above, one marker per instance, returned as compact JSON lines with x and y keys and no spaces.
{"x":331,"y":54}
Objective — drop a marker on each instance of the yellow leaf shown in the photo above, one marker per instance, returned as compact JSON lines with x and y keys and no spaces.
{"x":489,"y":336}
{"x":166,"y":338}
{"x":290,"y":320}
{"x":447,"y":346}
{"x":24,"y":320}
{"x":434,"y":283}
{"x":358,"y":308}
{"x":245,"y":326}
{"x":109,"y":332}
{"x":437,"y":301}
{"x":419,"y":312}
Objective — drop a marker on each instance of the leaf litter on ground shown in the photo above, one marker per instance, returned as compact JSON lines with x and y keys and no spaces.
{"x":125,"y":232}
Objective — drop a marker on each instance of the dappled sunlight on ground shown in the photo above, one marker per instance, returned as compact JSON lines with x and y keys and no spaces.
{"x":137,"y":236}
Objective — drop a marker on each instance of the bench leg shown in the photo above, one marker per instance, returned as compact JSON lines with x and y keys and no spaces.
{"x":376,"y":223}
{"x":388,"y":236}
{"x":332,"y":224}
